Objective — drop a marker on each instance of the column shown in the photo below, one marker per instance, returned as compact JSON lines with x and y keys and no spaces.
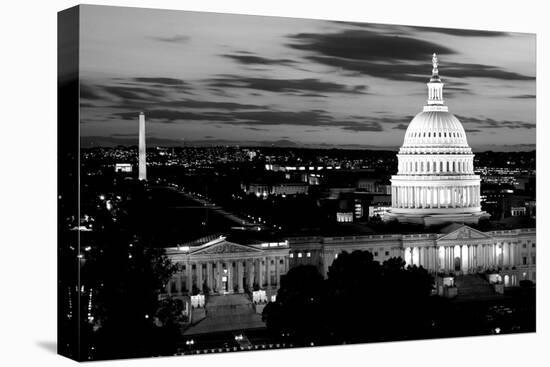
{"x":250,"y":273}
{"x":240,"y":275}
{"x":260,"y":273}
{"x":472,"y":251}
{"x":424,"y":195}
{"x":277,"y":271}
{"x":178,"y":283}
{"x":428,"y":264}
{"x":230,"y":277}
{"x":209,"y":276}
{"x":200,"y":282}
{"x":453,"y":196}
{"x":453,"y":255}
{"x":268,"y":271}
{"x":219,"y":272}
{"x":189,"y":280}
{"x":438,"y":195}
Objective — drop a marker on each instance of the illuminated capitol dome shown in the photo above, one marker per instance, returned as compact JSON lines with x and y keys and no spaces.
{"x":435,"y":182}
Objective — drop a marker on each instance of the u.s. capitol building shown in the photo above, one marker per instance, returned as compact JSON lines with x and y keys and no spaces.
{"x":435,"y":186}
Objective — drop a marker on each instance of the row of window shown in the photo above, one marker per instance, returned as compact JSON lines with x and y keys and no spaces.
{"x":439,"y":134}
{"x":447,"y":166}
{"x":300,"y":254}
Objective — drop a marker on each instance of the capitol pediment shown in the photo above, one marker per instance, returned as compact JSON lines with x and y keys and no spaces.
{"x":464,"y":232}
{"x":224,"y":247}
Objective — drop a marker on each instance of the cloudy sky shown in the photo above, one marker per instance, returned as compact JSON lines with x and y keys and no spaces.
{"x":205,"y":78}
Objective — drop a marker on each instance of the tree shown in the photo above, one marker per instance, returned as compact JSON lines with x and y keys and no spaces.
{"x":125,"y":272}
{"x":298,"y":309}
{"x":361,"y":300}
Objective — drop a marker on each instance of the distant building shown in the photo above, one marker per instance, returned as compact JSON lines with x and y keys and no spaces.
{"x":123,"y":168}
{"x":456,"y":249}
{"x":344,"y":217}
{"x":378,"y":211}
{"x":281,"y":188}
{"x":220,"y":266}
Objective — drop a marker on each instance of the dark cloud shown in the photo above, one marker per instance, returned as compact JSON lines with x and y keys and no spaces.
{"x":406,"y":30}
{"x":489,"y":123}
{"x":401,"y":127}
{"x":286,"y":85}
{"x":460,"y":32}
{"x":525,"y":96}
{"x":367,"y":45}
{"x":190,"y":103}
{"x":361,"y":126}
{"x":178,"y":38}
{"x":401,"y":71}
{"x":255,"y":128}
{"x":90,"y":92}
{"x":258,"y":60}
{"x":255,"y":120}
{"x":159,"y":81}
{"x":125,"y":92}
{"x":87,"y":105}
{"x":145,"y":93}
{"x":388,"y":56}
{"x":313,"y":95}
{"x":460,"y":70}
{"x":171,"y":116}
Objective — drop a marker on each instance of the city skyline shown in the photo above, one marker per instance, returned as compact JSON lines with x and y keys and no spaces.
{"x":294,"y":82}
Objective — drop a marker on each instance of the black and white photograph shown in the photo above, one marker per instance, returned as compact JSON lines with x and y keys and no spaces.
{"x":238,"y":183}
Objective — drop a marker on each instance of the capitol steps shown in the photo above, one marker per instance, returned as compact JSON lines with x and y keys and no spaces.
{"x":473,"y":286}
{"x":229,"y":312}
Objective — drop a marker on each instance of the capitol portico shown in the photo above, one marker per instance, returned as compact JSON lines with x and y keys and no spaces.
{"x":217,"y":265}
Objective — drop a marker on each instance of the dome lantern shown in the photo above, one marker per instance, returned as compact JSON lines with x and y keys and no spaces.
{"x":435,"y":89}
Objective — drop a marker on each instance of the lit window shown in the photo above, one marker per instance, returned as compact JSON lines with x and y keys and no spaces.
{"x":299,"y":254}
{"x":308,"y":254}
{"x":336,"y":256}
{"x":291,"y":255}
